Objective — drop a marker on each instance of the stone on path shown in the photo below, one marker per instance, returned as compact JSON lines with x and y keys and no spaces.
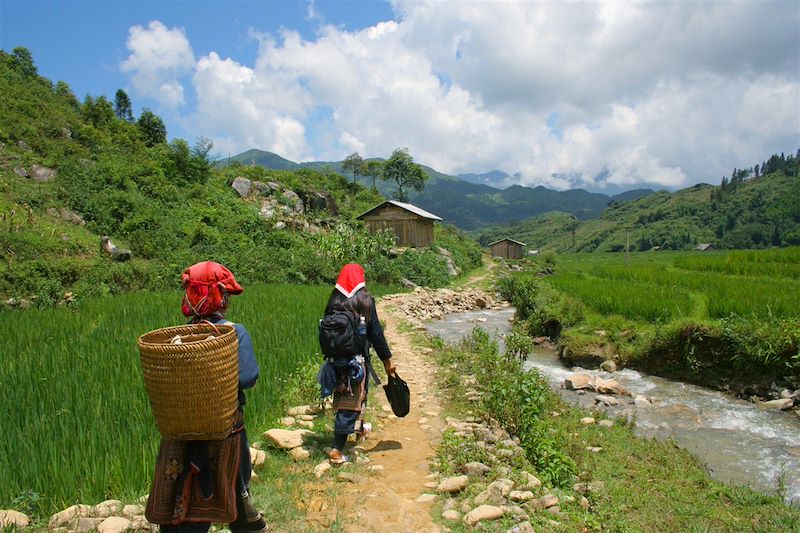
{"x":132,"y":510}
{"x":257,"y":457}
{"x":451,"y":514}
{"x":107,"y":508}
{"x":11,"y":518}
{"x":587,"y":421}
{"x":532,"y":482}
{"x":86,"y":524}
{"x":584,"y":503}
{"x":302,"y":410}
{"x":300,"y":453}
{"x":65,"y":517}
{"x":481,"y":513}
{"x":114,"y":524}
{"x":287,"y":421}
{"x":454,"y":484}
{"x":241,"y":186}
{"x":547,"y":501}
{"x":522,"y":527}
{"x":351,"y":477}
{"x":520,"y":495}
{"x":475,"y":469}
{"x":286,"y":439}
{"x":426,"y":498}
{"x":321,"y":468}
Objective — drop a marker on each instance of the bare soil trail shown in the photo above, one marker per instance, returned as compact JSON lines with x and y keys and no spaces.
{"x":385,"y":500}
{"x":382,"y":495}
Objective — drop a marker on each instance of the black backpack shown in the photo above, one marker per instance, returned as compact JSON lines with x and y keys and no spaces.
{"x":337,"y":334}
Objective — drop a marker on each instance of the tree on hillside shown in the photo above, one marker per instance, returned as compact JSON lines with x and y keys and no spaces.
{"x":401,"y":169}
{"x":98,"y":112}
{"x":151,"y":128}
{"x":374,"y":171}
{"x":354,"y":163}
{"x":201,"y":148}
{"x":22,"y":60}
{"x":122,"y":106}
{"x":62,"y":90}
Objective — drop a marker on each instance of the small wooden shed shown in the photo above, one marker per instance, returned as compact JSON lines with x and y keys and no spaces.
{"x":412,"y":226}
{"x":507,"y":249}
{"x":704,"y":247}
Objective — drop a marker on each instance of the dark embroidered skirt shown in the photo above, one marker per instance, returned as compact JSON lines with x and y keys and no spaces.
{"x":195,"y":481}
{"x":353,"y":399}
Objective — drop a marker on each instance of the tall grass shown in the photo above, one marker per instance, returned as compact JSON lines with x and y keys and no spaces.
{"x":76,"y":422}
{"x":760,"y":283}
{"x":632,"y":299}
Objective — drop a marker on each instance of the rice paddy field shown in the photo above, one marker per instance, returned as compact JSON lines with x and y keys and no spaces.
{"x":661,"y":286}
{"x":75,"y":420}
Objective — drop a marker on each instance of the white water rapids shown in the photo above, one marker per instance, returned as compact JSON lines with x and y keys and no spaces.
{"x":739,"y":442}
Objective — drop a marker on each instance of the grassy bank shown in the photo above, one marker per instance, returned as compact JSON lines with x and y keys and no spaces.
{"x":645,"y":485}
{"x":717,"y":316}
{"x":75,"y":419}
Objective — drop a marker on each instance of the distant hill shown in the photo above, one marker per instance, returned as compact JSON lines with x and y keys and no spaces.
{"x":744,"y":213}
{"x":262,"y":158}
{"x":472,"y":205}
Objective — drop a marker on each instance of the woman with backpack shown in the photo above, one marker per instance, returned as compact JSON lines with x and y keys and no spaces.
{"x":200,"y":482}
{"x":351,"y":299}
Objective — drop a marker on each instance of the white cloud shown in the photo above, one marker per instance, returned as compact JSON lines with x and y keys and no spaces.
{"x":665,"y":94}
{"x":159,"y":56}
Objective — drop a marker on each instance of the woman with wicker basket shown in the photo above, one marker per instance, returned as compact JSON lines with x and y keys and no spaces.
{"x":352,"y":376}
{"x":198,"y":482}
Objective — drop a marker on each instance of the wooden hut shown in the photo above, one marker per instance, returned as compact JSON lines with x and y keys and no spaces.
{"x":412,"y":226}
{"x":507,"y":249}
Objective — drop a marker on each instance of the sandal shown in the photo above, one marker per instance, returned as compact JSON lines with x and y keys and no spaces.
{"x":335,"y":457}
{"x":366,"y":428}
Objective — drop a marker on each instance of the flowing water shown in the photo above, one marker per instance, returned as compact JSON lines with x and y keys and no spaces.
{"x":738,"y":441}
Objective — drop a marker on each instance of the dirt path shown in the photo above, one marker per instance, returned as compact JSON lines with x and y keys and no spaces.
{"x":381,"y":496}
{"x":385,"y":500}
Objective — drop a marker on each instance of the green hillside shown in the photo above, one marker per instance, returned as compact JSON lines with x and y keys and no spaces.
{"x":465,"y":204}
{"x":746,"y":212}
{"x":71,"y":172}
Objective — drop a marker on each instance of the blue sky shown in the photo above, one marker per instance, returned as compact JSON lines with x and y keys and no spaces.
{"x":601,"y":95}
{"x":83,"y":42}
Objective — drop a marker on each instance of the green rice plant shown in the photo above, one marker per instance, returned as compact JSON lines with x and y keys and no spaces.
{"x":76,"y":421}
{"x":632,"y":299}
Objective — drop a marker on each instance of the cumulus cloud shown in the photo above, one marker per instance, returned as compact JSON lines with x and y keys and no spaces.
{"x":159,"y":57}
{"x":599,"y":95}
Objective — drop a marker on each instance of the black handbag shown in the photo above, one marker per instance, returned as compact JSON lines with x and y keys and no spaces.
{"x":398,"y":395}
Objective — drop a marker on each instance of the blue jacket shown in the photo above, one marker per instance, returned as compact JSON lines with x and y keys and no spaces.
{"x":248,"y":366}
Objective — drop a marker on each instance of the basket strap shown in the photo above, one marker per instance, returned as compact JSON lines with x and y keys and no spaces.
{"x":216,"y":329}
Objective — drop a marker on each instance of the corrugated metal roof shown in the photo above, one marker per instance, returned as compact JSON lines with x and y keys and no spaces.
{"x":507,"y":239}
{"x":408,"y":207}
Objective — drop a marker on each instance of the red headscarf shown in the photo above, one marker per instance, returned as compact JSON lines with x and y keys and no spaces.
{"x":207,"y":285}
{"x":351,"y":279}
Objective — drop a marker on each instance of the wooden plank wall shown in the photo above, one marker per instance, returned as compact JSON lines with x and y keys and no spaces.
{"x":507,"y":250}
{"x":410,"y":229}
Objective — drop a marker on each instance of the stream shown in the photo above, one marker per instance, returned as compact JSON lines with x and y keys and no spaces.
{"x":739,"y":442}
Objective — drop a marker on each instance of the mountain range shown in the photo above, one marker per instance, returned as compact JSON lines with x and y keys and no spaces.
{"x":470,"y":201}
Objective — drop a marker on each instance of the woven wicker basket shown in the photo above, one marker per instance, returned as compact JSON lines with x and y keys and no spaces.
{"x":193,"y":386}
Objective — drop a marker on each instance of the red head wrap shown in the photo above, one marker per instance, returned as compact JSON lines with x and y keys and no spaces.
{"x":207,"y":285}
{"x":351,"y":279}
